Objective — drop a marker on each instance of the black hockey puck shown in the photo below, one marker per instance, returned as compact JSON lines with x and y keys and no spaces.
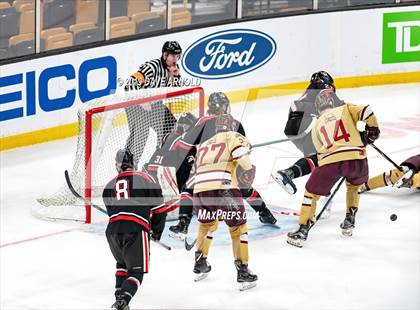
{"x":393,"y":217}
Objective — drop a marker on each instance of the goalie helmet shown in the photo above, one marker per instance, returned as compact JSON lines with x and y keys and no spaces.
{"x":171,"y":47}
{"x":218,"y":104}
{"x":185,"y":122}
{"x":321,"y":80}
{"x":124,"y":160}
{"x":225,"y":122}
{"x":324,"y":100}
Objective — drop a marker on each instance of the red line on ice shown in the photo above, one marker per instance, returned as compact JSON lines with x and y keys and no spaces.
{"x":36,"y":238}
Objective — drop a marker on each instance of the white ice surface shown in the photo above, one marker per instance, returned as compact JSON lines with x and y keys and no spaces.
{"x":54,"y":265}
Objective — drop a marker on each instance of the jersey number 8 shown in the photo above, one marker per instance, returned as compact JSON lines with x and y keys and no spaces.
{"x":121,"y":190}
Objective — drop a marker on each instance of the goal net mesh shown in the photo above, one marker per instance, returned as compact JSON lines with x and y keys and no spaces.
{"x":135,"y":120}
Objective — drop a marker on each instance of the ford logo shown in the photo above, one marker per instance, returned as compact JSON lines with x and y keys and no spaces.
{"x":228,"y":53}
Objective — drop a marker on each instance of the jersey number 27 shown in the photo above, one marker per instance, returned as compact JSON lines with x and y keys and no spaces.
{"x":216,"y":151}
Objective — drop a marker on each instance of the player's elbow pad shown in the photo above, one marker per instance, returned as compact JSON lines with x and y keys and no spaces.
{"x":246,"y":177}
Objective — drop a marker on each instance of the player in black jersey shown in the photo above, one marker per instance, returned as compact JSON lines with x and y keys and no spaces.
{"x":302,"y":116}
{"x":203,"y":130}
{"x":135,"y":207}
{"x":166,"y":155}
{"x":161,"y":72}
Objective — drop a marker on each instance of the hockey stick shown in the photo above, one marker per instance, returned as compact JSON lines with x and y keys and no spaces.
{"x":163,"y":245}
{"x":328,"y":202}
{"x":386,"y":156}
{"x":301,"y":135}
{"x":189,"y":246}
{"x":276,"y":141}
{"x":77,"y":195}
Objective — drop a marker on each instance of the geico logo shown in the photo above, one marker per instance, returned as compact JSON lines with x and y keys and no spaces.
{"x":66,"y":92}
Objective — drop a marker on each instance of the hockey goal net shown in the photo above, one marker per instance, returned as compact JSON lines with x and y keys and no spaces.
{"x":136,"y":120}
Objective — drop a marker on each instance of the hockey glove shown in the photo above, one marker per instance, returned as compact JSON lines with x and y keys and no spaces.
{"x":246,"y":177}
{"x":407,"y":179}
{"x":370,"y":135}
{"x":155,"y":236}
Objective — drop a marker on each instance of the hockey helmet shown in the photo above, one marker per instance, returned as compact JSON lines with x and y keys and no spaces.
{"x":124,"y":160}
{"x":225,"y":122}
{"x":218,"y":104}
{"x":171,"y":47}
{"x":324,"y":100}
{"x":321,"y":80}
{"x":185,"y":122}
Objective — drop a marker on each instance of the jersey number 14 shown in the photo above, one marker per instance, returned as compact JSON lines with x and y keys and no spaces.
{"x":340,"y":133}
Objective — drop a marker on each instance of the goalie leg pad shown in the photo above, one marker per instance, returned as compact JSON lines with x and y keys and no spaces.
{"x":168,"y":182}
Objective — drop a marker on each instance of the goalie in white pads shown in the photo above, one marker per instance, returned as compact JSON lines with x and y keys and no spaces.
{"x":172,"y":172}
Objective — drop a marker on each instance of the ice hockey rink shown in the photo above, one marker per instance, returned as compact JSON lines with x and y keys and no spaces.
{"x":56,"y":265}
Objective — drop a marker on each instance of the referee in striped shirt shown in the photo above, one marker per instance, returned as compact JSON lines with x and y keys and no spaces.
{"x":161,"y":72}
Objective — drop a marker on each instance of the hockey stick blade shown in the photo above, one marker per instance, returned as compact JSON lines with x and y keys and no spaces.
{"x":189,"y":246}
{"x":77,"y":195}
{"x":163,"y":245}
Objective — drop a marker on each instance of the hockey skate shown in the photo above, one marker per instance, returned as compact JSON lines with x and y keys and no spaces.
{"x":201,"y":267}
{"x":284,"y":179}
{"x":120,"y":304}
{"x":245,"y":278}
{"x":363,"y":188}
{"x":266,"y":217}
{"x":298,"y":237}
{"x":180,"y":230}
{"x":347,"y":225}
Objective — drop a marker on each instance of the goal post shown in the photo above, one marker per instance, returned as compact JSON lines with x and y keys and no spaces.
{"x":136,"y":120}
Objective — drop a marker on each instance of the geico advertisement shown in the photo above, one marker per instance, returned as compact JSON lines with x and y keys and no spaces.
{"x":56,"y":88}
{"x":47,"y":92}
